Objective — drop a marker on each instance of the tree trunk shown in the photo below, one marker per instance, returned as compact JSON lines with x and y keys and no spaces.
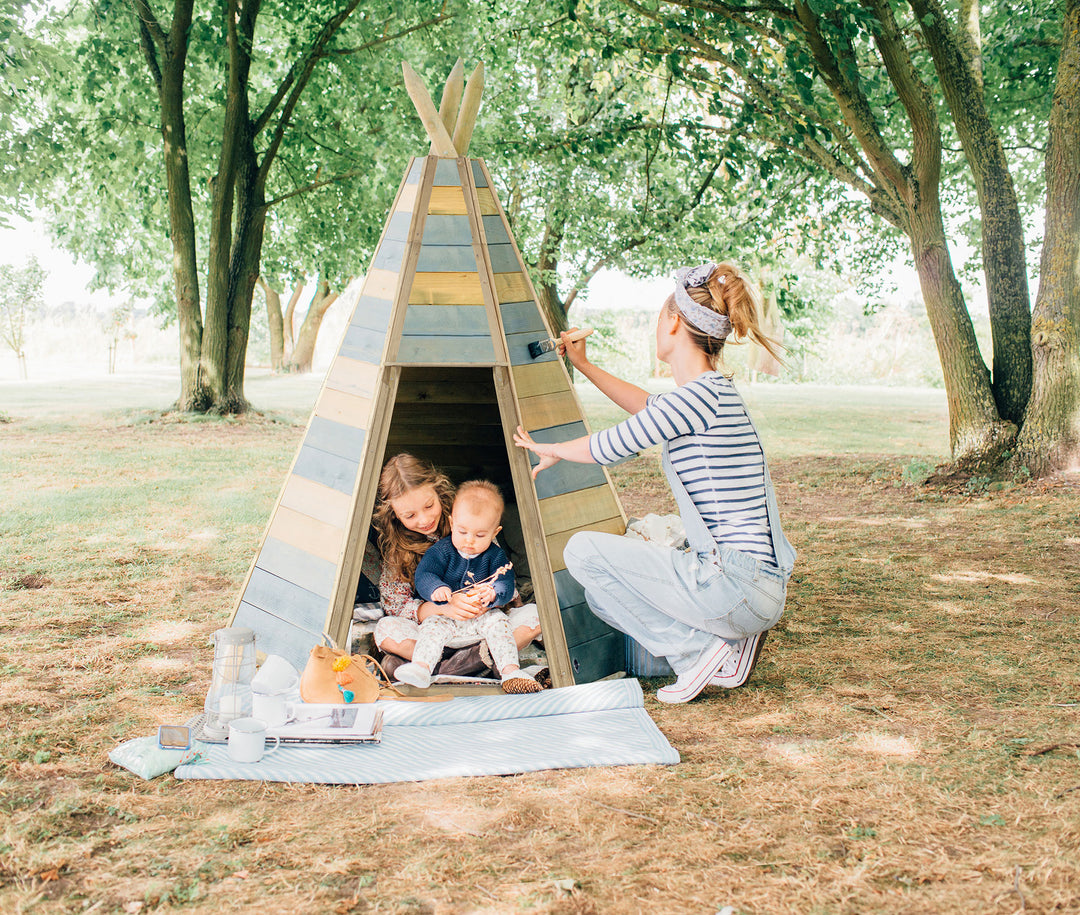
{"x":304,"y":352}
{"x":1003,"y":256}
{"x":976,"y":434}
{"x":274,"y":321}
{"x":1050,"y":437}
{"x":290,"y":315}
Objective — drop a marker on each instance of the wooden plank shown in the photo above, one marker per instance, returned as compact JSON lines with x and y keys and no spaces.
{"x":363,"y":344}
{"x":582,"y":625}
{"x":298,"y":566}
{"x":406,"y":202}
{"x":349,"y":409}
{"x":539,"y":377}
{"x":316,"y":500}
{"x":495,"y":230}
{"x":380,"y":284}
{"x":512,"y":287}
{"x":479,"y":179}
{"x":416,"y":167}
{"x":556,"y":542}
{"x":372,"y":314}
{"x":442,"y":391}
{"x":504,"y":259}
{"x":456,"y":412}
{"x":577,"y":509}
{"x":352,"y":377}
{"x":456,"y":350}
{"x":285,"y":599}
{"x":447,"y":230}
{"x":448,"y":434}
{"x":567,"y":476}
{"x":389,"y":255}
{"x":598,"y":658}
{"x":446,"y":289}
{"x":447,"y":201}
{"x":308,"y":534}
{"x":446,"y":321}
{"x":336,"y":472}
{"x":547,"y":410}
{"x":488,"y":206}
{"x":397,"y":227}
{"x":569,"y":589}
{"x":517,"y":346}
{"x":446,"y":173}
{"x":446,"y":258}
{"x":274,"y":635}
{"x":522,"y":317}
{"x":335,"y":438}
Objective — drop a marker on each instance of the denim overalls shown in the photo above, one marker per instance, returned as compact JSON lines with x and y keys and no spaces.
{"x":676,"y":603}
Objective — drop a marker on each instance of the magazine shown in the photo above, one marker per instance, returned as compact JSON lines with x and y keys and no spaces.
{"x":331,"y":724}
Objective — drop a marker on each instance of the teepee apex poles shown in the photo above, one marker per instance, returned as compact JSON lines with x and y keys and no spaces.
{"x":457,"y":112}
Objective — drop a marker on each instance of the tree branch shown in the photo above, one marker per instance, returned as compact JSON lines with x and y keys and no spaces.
{"x":315,"y":185}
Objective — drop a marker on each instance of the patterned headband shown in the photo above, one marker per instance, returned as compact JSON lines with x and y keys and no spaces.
{"x":704,"y":319}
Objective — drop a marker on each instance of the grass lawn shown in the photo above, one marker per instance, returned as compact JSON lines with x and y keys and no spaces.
{"x":908,"y":743}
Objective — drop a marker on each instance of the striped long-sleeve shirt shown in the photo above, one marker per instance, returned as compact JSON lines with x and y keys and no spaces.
{"x":715,"y":452}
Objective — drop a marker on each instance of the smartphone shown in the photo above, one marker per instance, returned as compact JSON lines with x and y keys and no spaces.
{"x":174,"y":737}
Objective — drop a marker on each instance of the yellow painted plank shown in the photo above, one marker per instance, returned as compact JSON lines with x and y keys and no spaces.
{"x":549,"y":410}
{"x":306,"y":533}
{"x":447,"y":201}
{"x":350,"y":409}
{"x":380,"y":284}
{"x":406,"y":199}
{"x":557,"y":542}
{"x":322,"y":503}
{"x":512,"y":287}
{"x":574,"y":510}
{"x":352,"y":377}
{"x":539,"y":378}
{"x":446,"y":289}
{"x":488,"y":206}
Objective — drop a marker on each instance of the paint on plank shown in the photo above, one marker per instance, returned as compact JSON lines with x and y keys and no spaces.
{"x":397,"y":228}
{"x":447,"y":230}
{"x":504,"y":259}
{"x":274,"y":635}
{"x":479,"y":178}
{"x":329,"y":469}
{"x":495,"y":230}
{"x":415,"y":171}
{"x":298,"y":566}
{"x":446,"y":320}
{"x":390,"y":255}
{"x":446,"y":173}
{"x":372,"y":313}
{"x":433,"y":350}
{"x":335,"y":438}
{"x":517,"y":345}
{"x":522,"y":317}
{"x":446,"y":258}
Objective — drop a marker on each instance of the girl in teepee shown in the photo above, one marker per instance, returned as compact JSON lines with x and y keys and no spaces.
{"x":707,"y":609}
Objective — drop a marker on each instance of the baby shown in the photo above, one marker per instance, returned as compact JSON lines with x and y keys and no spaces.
{"x":464,"y":573}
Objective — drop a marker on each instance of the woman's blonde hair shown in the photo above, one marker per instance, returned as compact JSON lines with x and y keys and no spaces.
{"x":728,"y":292}
{"x":401,"y":548}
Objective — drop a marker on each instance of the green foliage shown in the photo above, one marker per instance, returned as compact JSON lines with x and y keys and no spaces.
{"x":21,"y":295}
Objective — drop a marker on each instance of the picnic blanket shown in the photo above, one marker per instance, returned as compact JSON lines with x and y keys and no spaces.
{"x":595,"y":724}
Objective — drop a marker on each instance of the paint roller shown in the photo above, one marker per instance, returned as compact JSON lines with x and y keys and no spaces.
{"x":539,"y":347}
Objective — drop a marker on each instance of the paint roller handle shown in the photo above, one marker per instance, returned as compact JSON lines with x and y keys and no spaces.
{"x":576,"y":354}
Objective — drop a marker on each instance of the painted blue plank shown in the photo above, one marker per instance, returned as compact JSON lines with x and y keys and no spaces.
{"x":519,"y":317}
{"x":363,"y":344}
{"x":447,"y":230}
{"x":414,"y":172}
{"x":275,"y":635}
{"x":568,"y":589}
{"x":565,"y":476}
{"x":564,"y":433}
{"x":598,"y":658}
{"x":390,"y":255}
{"x":446,"y":320}
{"x":422,"y":350}
{"x":398,"y":227}
{"x":518,"y":346}
{"x":495,"y":231}
{"x":312,"y":573}
{"x":284,"y":599}
{"x":582,"y":625}
{"x":446,"y":258}
{"x":320,"y":467}
{"x":478,"y":173}
{"x":447,"y":174}
{"x":372,"y":314}
{"x":504,"y":259}
{"x":335,"y":438}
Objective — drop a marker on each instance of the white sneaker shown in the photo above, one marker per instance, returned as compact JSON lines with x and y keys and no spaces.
{"x":738,"y":667}
{"x":693,"y":681}
{"x":414,"y":674}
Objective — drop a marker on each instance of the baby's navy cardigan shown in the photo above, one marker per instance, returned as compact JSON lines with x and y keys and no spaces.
{"x":443,"y":565}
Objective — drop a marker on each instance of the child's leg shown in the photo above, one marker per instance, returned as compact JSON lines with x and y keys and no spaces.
{"x":495,"y":629}
{"x":433,"y":635}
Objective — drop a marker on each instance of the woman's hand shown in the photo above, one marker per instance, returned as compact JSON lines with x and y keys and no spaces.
{"x":574,"y":350}
{"x":546,"y":452}
{"x":461,"y":607}
{"x":482,"y":594}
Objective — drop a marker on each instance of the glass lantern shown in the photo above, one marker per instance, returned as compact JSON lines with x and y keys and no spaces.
{"x":229,"y":696}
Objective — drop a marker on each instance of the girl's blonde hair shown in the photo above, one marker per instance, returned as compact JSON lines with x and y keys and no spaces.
{"x":401,"y":548}
{"x":728,"y":292}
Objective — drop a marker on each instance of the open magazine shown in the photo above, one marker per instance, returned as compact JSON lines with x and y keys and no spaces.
{"x":331,"y":724}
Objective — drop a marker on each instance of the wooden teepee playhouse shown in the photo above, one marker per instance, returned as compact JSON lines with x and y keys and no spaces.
{"x":436,"y":362}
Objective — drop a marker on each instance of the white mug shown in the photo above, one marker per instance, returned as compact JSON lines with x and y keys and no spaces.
{"x":247,"y":740}
{"x":270,"y":707}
